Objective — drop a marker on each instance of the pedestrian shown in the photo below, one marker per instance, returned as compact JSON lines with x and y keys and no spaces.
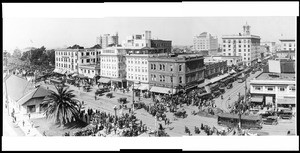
{"x":95,"y":97}
{"x":29,"y":116}
{"x":44,"y":133}
{"x":23,"y":123}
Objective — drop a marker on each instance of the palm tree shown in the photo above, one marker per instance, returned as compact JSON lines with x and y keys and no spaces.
{"x":62,"y":105}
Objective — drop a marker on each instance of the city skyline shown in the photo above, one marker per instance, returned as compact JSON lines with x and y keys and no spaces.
{"x":61,"y":33}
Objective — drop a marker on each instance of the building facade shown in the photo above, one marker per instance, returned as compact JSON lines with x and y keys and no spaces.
{"x":170,"y":74}
{"x":271,"y":46}
{"x":244,"y":45}
{"x":113,"y":65}
{"x":66,"y":61}
{"x":89,"y":62}
{"x":231,"y":60}
{"x":215,"y":68}
{"x":138,"y":40}
{"x":107,"y":40}
{"x":205,"y":42}
{"x":277,"y":90}
{"x":287,"y":45}
{"x":162,"y":44}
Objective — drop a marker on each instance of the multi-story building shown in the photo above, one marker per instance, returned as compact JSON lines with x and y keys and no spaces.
{"x":275,"y":89}
{"x":170,"y":74}
{"x":244,"y":45}
{"x":271,"y":46}
{"x":287,"y":45}
{"x":80,"y":61}
{"x":231,"y":60}
{"x":214,"y":68}
{"x":138,"y":40}
{"x":137,"y":66}
{"x":113,"y":66}
{"x":66,"y":61}
{"x":107,"y":40}
{"x":162,"y":44}
{"x":205,"y":42}
{"x":89,"y":62}
{"x":286,"y":55}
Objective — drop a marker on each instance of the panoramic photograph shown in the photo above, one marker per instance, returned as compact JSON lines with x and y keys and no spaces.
{"x":149,"y":76}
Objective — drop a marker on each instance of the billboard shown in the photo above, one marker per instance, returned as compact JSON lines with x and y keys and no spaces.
{"x":274,"y":66}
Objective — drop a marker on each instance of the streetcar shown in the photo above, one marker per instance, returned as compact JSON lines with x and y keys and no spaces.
{"x":247,"y":122}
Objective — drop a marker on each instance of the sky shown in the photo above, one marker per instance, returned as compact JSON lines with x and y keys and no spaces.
{"x":63,"y":32}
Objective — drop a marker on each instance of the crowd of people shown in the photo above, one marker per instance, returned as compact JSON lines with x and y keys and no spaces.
{"x":208,"y":130}
{"x":105,"y":123}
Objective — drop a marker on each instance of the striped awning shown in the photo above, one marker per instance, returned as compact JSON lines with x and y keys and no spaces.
{"x":104,"y":80}
{"x":257,"y":99}
{"x":287,"y":101}
{"x":162,"y":90}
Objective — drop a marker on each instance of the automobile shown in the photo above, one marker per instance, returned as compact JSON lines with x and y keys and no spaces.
{"x":100,"y":91}
{"x":109,"y":95}
{"x":229,"y":86}
{"x":285,"y":114}
{"x":271,"y":120}
{"x":122,"y":100}
{"x":267,"y":114}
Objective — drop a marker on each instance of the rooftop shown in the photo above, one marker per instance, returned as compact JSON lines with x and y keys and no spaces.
{"x":277,"y":76}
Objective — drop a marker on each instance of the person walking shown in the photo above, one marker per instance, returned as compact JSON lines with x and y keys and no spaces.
{"x":29,"y":116}
{"x":23,"y":123}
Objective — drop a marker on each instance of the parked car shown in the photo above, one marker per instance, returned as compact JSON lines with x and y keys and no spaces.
{"x":271,"y":120}
{"x":109,"y":95}
{"x":267,"y":114}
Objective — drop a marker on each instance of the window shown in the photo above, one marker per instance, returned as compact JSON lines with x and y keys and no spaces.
{"x":180,"y":79}
{"x":257,"y":88}
{"x":180,"y":67}
{"x":270,"y":88}
{"x":88,"y":71}
{"x":281,"y":89}
{"x":160,"y":67}
{"x":171,"y":67}
{"x":229,"y":54}
{"x":171,"y":79}
{"x":293,"y":88}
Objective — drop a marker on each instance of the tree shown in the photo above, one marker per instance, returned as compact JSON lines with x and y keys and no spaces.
{"x":17,"y":53}
{"x":62,"y":105}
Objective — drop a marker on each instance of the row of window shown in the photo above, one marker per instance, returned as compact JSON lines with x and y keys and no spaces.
{"x":162,"y":67}
{"x":87,"y":71}
{"x":109,"y":73}
{"x":136,"y":61}
{"x":65,"y":53}
{"x":109,"y":66}
{"x":162,"y":78}
{"x":240,"y":50}
{"x":89,"y":53}
{"x":137,"y":69}
{"x":138,"y":77}
{"x":109,"y":59}
{"x":240,"y":46}
{"x":64,"y":60}
{"x":272,"y":88}
{"x":290,"y":45}
{"x":61,"y":65}
{"x":236,"y":41}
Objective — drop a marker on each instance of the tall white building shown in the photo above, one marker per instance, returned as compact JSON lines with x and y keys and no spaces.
{"x":113,"y":66}
{"x":138,"y":40}
{"x":106,"y":40}
{"x":205,"y":42}
{"x":244,"y":45}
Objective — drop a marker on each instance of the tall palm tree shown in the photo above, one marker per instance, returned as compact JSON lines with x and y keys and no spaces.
{"x":62,"y":105}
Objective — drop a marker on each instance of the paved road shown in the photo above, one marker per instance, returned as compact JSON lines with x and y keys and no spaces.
{"x":233,"y":93}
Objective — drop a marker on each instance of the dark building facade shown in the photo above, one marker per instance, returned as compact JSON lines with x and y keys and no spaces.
{"x":165,"y":44}
{"x":177,"y":72}
{"x":213,"y":69}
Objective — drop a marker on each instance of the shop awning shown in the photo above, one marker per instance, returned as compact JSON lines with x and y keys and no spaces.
{"x":104,"y":80}
{"x":143,"y":87}
{"x":163,"y":90}
{"x":56,"y":70}
{"x":257,"y":99}
{"x":75,"y":74}
{"x":232,"y":72}
{"x":206,"y":82}
{"x":117,"y":79}
{"x":288,"y":101}
{"x":213,"y":80}
{"x":63,"y":71}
